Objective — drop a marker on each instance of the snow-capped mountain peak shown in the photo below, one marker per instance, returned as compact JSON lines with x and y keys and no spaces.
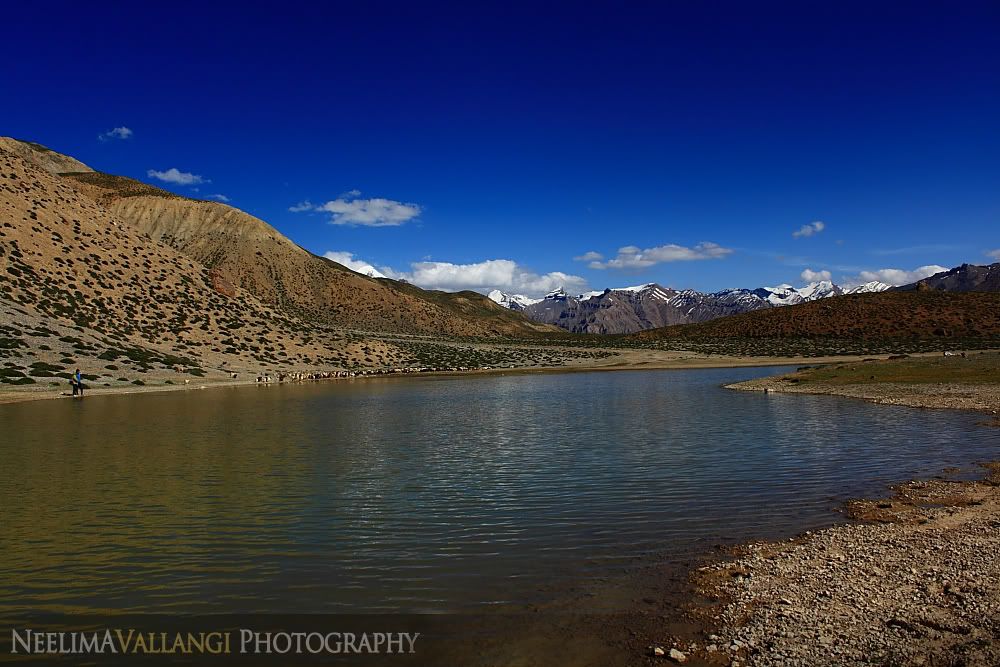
{"x":819,"y":290}
{"x":649,"y":289}
{"x":512,"y":301}
{"x":873,"y":286}
{"x":786,"y":295}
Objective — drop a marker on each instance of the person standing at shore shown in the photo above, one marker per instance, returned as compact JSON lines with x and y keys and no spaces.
{"x":77,"y":383}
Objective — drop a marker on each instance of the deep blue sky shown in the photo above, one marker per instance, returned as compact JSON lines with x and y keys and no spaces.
{"x":537,"y":132}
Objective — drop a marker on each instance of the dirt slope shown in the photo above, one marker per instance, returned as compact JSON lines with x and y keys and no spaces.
{"x":77,"y":283}
{"x":43,"y":157}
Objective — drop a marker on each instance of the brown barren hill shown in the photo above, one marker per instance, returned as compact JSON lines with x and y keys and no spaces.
{"x":884,"y":315}
{"x":42,"y":157}
{"x":964,"y":278}
{"x":248,"y":253}
{"x":79,"y":286}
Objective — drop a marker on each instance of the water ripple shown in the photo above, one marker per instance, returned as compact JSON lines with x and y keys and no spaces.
{"x":424,"y":495}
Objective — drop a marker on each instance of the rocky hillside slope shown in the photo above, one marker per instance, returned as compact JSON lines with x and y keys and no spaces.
{"x":964,"y":278}
{"x":891,"y":314}
{"x":250,"y":254}
{"x":42,"y":157}
{"x":77,"y":283}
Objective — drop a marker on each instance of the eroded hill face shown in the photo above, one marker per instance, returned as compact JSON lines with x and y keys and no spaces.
{"x":79,"y":284}
{"x":253,"y":255}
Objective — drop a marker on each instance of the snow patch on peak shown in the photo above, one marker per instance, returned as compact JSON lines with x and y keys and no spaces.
{"x":869,"y":287}
{"x":652,"y":289}
{"x":634,"y":288}
{"x":819,"y":290}
{"x":511,"y":301}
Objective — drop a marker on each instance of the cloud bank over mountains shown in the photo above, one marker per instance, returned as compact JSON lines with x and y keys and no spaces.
{"x":350,"y":261}
{"x":895,"y":277}
{"x":504,"y":274}
{"x":811,"y":276}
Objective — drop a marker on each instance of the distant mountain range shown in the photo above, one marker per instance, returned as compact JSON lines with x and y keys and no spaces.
{"x":631,"y":309}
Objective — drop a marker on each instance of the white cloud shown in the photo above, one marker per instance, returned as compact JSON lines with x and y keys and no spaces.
{"x":995,"y":254}
{"x":219,"y":197}
{"x":633,"y":257}
{"x":374,"y":212}
{"x":809,"y":230}
{"x":894,"y":277}
{"x":347,"y":259}
{"x":176,"y":176}
{"x":503,"y":274}
{"x":116,"y":133}
{"x":811,"y":276}
{"x":589,"y":257}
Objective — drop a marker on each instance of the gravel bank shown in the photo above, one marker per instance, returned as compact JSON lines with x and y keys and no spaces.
{"x":918,"y":583}
{"x":952,"y":395}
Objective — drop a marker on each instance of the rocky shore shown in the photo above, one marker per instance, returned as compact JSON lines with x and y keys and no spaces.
{"x":918,"y":583}
{"x":914,"y":580}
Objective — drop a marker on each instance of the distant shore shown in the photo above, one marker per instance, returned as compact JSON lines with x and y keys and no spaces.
{"x":622,"y":360}
{"x":970,"y":382}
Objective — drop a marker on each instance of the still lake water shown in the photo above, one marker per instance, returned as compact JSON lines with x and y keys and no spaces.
{"x":429,"y":494}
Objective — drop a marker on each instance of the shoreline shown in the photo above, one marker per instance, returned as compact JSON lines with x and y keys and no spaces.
{"x":908,"y":579}
{"x":634,"y":360}
{"x":912,"y":579}
{"x":952,"y":393}
{"x":804,"y":600}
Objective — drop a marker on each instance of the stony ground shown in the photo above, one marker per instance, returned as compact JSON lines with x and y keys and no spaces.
{"x":917,"y":584}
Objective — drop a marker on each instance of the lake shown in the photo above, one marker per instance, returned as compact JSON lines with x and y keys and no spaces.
{"x":426,"y":494}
